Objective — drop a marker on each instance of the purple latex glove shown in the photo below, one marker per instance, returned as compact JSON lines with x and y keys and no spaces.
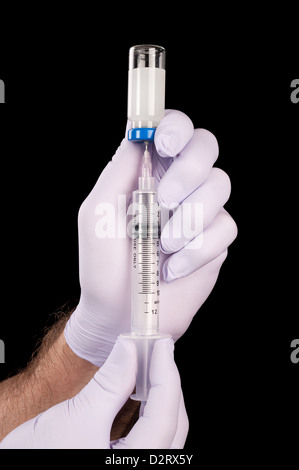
{"x":84,"y":422}
{"x":183,"y":161}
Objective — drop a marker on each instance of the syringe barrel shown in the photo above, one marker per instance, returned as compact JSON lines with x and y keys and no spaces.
{"x":146,"y":263}
{"x":146,"y":87}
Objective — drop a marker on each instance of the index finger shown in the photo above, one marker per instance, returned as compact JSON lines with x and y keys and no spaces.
{"x":173,"y":133}
{"x":190,"y":169}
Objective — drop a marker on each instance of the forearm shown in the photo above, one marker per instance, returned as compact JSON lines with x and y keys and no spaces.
{"x":54,"y":375}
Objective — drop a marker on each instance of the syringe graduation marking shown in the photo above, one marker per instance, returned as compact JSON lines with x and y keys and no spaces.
{"x":146,"y":269}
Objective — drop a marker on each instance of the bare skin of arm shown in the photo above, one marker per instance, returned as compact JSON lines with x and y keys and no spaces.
{"x":55,"y":374}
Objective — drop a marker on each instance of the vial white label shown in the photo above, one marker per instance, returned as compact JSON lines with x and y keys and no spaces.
{"x":146,"y":96}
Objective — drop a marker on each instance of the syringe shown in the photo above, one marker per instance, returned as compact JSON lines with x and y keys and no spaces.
{"x":146,"y":95}
{"x":145,"y":253}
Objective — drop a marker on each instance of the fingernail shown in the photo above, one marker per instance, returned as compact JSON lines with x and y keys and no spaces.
{"x":166,"y":145}
{"x":168,"y":274}
{"x":163,"y":245}
{"x":168,"y":342}
{"x":126,"y":343}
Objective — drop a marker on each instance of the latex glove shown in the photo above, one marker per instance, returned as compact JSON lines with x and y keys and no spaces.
{"x":188,"y":275}
{"x":84,"y":422}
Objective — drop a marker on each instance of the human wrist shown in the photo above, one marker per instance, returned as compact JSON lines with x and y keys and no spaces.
{"x":86,"y":337}
{"x":53,"y":375}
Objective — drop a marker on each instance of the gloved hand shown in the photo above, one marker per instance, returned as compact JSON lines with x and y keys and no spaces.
{"x":182,"y":164}
{"x":84,"y":422}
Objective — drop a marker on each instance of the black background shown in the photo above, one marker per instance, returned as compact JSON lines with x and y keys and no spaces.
{"x":65,"y":114}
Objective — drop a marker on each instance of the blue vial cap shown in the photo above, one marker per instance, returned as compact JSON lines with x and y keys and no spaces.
{"x":141,"y":134}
